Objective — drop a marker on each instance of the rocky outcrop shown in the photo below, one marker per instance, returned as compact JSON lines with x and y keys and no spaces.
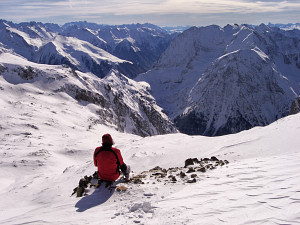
{"x":295,"y":108}
{"x":27,"y":73}
{"x":190,"y":173}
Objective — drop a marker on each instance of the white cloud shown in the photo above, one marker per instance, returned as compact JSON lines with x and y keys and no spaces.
{"x":38,"y":9}
{"x":133,"y":7}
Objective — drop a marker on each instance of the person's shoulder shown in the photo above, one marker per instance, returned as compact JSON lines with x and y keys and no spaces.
{"x":97,"y":149}
{"x":115,"y":149}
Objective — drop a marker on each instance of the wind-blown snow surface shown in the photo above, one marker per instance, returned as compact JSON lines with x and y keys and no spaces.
{"x":46,"y":148}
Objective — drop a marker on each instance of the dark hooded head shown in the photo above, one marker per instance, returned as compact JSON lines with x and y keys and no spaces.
{"x":107,"y":140}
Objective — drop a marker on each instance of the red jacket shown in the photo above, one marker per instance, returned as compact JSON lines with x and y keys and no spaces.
{"x":106,"y":162}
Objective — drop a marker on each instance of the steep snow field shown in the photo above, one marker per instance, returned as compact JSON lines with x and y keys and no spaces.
{"x":46,"y":147}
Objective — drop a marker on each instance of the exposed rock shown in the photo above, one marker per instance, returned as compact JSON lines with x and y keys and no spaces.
{"x":192,"y":181}
{"x":195,"y":160}
{"x":193,"y":175}
{"x":173,"y":178}
{"x":83,"y":183}
{"x":221,"y":163}
{"x":213,"y":158}
{"x":202,"y":169}
{"x":156,"y":176}
{"x":182,"y":174}
{"x":27,"y":73}
{"x":295,"y":108}
{"x":191,"y":170}
{"x":159,"y":175}
{"x":188,"y":162}
{"x":145,"y":119}
{"x":79,"y":191}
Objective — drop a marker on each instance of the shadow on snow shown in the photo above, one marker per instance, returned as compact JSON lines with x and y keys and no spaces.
{"x":98,"y":197}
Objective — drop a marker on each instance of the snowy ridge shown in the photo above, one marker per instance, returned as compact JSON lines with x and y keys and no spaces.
{"x":115,"y":100}
{"x":205,"y":79}
{"x":77,"y":54}
{"x":289,"y":26}
{"x":131,"y":49}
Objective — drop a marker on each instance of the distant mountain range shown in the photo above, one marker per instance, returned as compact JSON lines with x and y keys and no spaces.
{"x":289,"y":26}
{"x":208,"y":80}
{"x":88,"y":47}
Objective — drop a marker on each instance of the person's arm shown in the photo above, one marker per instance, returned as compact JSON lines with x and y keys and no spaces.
{"x":123,"y":166}
{"x":95,"y":161}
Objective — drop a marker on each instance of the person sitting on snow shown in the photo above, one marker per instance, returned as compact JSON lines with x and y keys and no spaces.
{"x":109,"y":161}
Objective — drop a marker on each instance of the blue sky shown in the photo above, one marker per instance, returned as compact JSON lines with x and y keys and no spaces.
{"x":159,"y":12}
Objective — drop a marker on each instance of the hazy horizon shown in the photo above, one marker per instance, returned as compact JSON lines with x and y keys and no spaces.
{"x":161,"y":13}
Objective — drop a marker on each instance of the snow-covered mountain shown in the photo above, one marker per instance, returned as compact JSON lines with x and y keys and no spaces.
{"x":79,"y":55}
{"x":214,"y":81}
{"x":141,"y":44}
{"x":289,"y":26}
{"x":115,"y":100}
{"x":176,"y":29}
{"x":131,"y":49}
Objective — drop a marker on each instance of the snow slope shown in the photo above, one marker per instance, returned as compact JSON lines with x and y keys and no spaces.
{"x":46,"y":148}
